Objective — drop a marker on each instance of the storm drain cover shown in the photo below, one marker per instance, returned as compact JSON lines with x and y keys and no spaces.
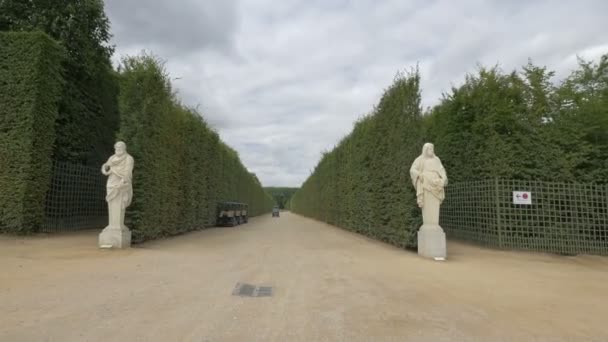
{"x":264,"y":291}
{"x":248,"y":290}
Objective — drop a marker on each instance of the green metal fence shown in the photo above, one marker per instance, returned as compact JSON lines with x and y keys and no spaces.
{"x":565,"y":218}
{"x":76,"y":199}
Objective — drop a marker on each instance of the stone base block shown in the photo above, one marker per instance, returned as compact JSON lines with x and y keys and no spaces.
{"x":431,"y":242}
{"x":115,"y":237}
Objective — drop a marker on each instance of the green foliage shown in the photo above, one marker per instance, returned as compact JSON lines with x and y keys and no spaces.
{"x":517,"y":125}
{"x":363,"y":184}
{"x":88,"y":112}
{"x":580,"y":125}
{"x":281,"y":195}
{"x":182,"y":168}
{"x":30,"y":87}
{"x":521,"y":126}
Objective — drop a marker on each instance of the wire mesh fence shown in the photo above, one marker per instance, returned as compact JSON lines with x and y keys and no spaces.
{"x":565,"y":218}
{"x":75,"y":200}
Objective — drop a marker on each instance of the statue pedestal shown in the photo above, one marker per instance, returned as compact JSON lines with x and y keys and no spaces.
{"x":431,"y":241}
{"x":116,"y":237}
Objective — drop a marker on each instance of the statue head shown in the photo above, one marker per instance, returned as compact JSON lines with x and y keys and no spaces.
{"x":120,"y":148}
{"x":428,"y":150}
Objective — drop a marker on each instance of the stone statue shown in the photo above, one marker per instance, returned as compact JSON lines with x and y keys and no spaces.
{"x":119,"y":169}
{"x":429,"y":179}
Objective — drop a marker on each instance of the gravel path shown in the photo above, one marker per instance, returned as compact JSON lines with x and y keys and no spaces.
{"x":329,"y":285}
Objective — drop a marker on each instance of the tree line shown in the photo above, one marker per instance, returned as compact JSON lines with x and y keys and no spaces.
{"x":281,"y":195}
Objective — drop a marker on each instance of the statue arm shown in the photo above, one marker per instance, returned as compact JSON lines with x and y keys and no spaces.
{"x":414,"y":172}
{"x":117,"y":174}
{"x":129,"y":170}
{"x":443,"y":174}
{"x":103,"y":168}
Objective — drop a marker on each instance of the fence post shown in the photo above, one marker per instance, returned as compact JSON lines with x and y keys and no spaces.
{"x":497,"y":203}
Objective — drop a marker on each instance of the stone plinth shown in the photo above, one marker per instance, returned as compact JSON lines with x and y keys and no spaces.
{"x":115,"y":237}
{"x":431,"y":242}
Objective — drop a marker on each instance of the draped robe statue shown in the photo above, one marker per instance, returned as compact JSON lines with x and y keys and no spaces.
{"x":429,"y":179}
{"x":119,"y":193}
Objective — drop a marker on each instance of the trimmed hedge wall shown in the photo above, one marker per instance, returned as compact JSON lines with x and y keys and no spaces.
{"x":363,"y":184}
{"x":518,"y":125}
{"x":182,"y":168}
{"x":88,"y":118}
{"x":281,"y":195}
{"x":30,"y":89}
{"x":523,"y":125}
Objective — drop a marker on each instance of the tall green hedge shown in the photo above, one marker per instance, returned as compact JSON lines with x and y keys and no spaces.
{"x":182,"y":168}
{"x":88,"y":115}
{"x":524,"y":126}
{"x":281,"y":195}
{"x":519,"y":125}
{"x":30,"y":88}
{"x":363,"y":183}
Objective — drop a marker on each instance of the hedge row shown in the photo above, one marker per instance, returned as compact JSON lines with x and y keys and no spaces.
{"x":88,"y":110}
{"x":182,"y":168}
{"x":524,"y":126}
{"x":517,"y":125}
{"x":281,"y":195}
{"x":363,"y":184}
{"x":30,"y":88}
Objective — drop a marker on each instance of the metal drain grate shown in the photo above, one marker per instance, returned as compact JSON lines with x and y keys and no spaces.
{"x":264,"y":291}
{"x":248,"y":290}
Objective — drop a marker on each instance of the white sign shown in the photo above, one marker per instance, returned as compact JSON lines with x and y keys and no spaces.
{"x":522,"y":197}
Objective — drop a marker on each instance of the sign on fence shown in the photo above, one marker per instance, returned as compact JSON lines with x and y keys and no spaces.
{"x":522,"y":197}
{"x":565,"y":218}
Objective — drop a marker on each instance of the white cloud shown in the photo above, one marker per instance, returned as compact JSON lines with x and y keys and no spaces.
{"x":284,"y":80}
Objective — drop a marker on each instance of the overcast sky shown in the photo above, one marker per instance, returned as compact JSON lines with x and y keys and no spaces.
{"x":284,"y":80}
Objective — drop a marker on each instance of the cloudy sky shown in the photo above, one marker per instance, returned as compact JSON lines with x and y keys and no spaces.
{"x":284,"y":80}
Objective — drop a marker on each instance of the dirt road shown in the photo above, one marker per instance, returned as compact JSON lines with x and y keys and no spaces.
{"x":329,"y":285}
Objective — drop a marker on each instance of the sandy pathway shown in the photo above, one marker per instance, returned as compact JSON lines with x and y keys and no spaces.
{"x":330,"y":285}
